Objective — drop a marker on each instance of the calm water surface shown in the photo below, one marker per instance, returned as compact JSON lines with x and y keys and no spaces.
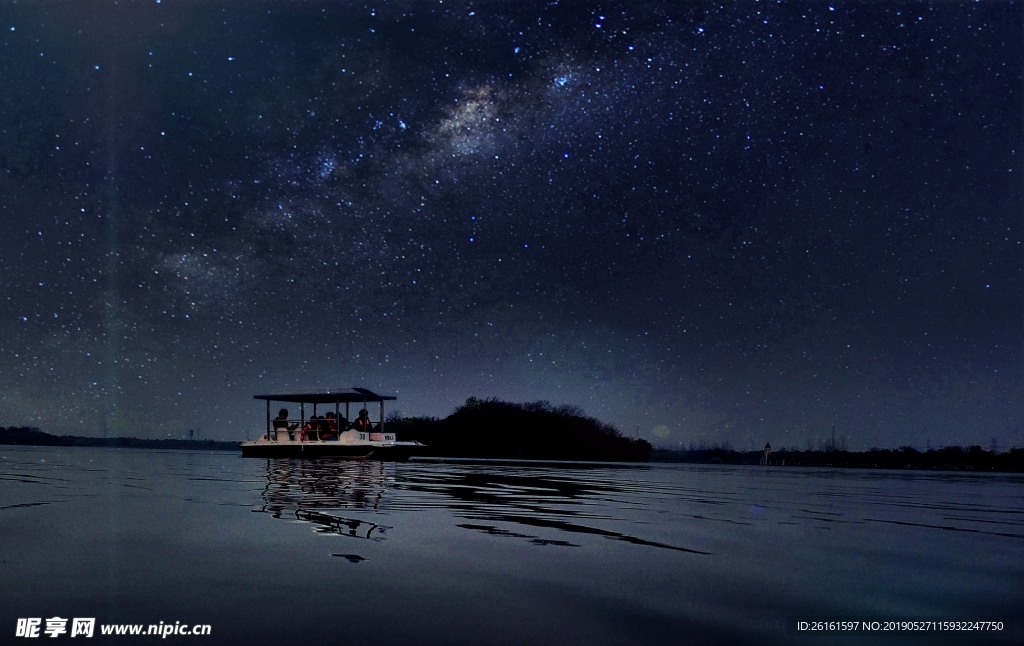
{"x":283,"y":551}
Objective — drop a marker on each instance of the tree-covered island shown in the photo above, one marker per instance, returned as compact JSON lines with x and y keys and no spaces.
{"x":491,"y":428}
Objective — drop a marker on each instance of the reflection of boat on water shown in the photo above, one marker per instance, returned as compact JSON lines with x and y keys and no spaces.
{"x":544,"y":506}
{"x":331,"y":524}
{"x":318,"y":492}
{"x":331,"y":436}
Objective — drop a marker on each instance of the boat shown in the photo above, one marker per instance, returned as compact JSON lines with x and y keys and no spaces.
{"x":330,"y":436}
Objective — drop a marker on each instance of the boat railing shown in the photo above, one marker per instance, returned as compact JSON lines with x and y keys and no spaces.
{"x":301,"y":430}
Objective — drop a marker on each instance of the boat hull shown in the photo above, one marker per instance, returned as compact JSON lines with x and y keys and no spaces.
{"x":390,"y":452}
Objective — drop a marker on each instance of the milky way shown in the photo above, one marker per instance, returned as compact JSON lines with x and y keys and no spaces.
{"x":738,"y":222}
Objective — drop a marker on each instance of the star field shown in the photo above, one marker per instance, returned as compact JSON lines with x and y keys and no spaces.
{"x":740,"y":221}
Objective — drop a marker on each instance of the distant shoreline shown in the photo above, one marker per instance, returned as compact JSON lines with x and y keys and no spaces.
{"x":953,"y":458}
{"x":27,"y":436}
{"x":972,"y":458}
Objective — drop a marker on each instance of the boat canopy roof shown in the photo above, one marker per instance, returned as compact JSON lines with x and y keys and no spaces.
{"x":327,"y":396}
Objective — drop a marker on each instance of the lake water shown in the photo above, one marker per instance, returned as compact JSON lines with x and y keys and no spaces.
{"x":284,"y":551}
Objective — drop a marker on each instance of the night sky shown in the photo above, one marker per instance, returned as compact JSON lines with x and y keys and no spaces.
{"x":705,"y":221}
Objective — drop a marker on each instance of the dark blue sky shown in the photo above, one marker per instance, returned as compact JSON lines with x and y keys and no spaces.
{"x":745,"y":222}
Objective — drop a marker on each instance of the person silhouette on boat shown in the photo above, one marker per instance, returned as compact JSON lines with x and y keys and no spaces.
{"x":313,"y":429}
{"x":281,"y":421}
{"x":323,"y":425}
{"x":363,"y":423}
{"x":329,"y":428}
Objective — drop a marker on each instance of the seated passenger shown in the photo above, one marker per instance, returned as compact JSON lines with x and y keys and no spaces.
{"x":311,"y":430}
{"x":281,"y":421}
{"x":329,"y":428}
{"x":281,"y":426}
{"x":363,"y":423}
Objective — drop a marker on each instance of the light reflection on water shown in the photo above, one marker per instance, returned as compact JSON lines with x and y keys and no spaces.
{"x":497,"y":553}
{"x":547,"y":496}
{"x":304,"y":489}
